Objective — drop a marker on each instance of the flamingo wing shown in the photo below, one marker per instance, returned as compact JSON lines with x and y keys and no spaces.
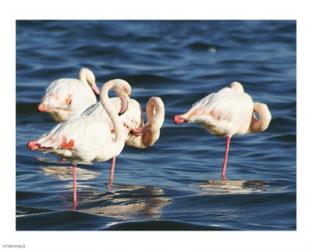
{"x":131,"y":119}
{"x":78,"y":138}
{"x":225,"y":113}
{"x":67,"y":98}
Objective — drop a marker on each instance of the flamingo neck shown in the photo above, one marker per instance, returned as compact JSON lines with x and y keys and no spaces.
{"x":261,"y":124}
{"x":155,"y":110}
{"x":118,"y":126}
{"x":83,"y":76}
{"x":87,"y":76}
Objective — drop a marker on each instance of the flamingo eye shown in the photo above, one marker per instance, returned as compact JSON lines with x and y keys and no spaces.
{"x":256,"y":116}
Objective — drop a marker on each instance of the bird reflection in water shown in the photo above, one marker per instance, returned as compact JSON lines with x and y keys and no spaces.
{"x":125,"y":202}
{"x":234,"y":186}
{"x":64,"y":173}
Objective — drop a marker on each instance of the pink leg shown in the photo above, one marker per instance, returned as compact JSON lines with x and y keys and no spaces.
{"x":111,"y":174}
{"x":227,"y":148}
{"x":74,"y":185}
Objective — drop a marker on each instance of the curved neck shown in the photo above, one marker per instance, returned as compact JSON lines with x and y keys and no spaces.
{"x":86,"y":75}
{"x":262,"y":123}
{"x":111,"y":112}
{"x":155,"y":110}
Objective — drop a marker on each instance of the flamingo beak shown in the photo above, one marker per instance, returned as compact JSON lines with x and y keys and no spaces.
{"x":124,"y":104}
{"x":178,"y":119}
{"x":42,"y":107}
{"x":33,"y":145}
{"x":141,"y":130}
{"x":95,"y":89}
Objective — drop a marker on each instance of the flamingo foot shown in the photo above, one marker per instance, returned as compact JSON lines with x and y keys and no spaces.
{"x":109,"y":186}
{"x":223,"y":177}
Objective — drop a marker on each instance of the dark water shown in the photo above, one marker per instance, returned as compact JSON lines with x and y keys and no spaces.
{"x":164,"y":187}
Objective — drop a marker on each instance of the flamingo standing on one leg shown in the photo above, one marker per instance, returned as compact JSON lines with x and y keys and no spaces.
{"x":68,"y":97}
{"x":136,"y":133}
{"x":86,"y":138}
{"x":228,"y":112}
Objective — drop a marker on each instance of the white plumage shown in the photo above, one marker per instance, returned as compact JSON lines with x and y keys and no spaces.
{"x":131,"y":118}
{"x":225,"y":113}
{"x":137,"y":134}
{"x":87,"y":138}
{"x":228,"y":112}
{"x":68,"y":97}
{"x":81,"y":139}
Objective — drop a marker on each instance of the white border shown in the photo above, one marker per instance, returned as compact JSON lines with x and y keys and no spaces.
{"x":218,"y":9}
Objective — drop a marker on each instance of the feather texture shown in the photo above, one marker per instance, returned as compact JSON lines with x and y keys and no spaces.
{"x":68,"y":97}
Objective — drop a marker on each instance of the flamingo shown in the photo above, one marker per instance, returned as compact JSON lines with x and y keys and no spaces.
{"x":68,"y":97}
{"x":137,"y":134}
{"x":228,"y":112}
{"x":148,"y":134}
{"x":86,"y":138}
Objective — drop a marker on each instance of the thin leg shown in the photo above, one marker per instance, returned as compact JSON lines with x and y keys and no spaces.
{"x":111,"y":174}
{"x":227,"y":148}
{"x":74,"y":185}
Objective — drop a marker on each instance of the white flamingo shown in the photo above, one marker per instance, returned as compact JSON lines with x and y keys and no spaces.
{"x":228,"y":112}
{"x":86,"y":138}
{"x":148,"y":134}
{"x":68,"y":97}
{"x":137,"y":134}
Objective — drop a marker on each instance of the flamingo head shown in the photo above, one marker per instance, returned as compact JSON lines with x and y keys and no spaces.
{"x":95,"y":89}
{"x":123,"y":90}
{"x":92,"y":83}
{"x":88,"y":75}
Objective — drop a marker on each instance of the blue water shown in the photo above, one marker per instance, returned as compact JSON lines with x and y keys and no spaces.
{"x":164,"y":187}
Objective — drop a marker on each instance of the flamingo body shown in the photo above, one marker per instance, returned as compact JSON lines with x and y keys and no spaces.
{"x":69,"y":97}
{"x":81,"y":139}
{"x":225,"y":113}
